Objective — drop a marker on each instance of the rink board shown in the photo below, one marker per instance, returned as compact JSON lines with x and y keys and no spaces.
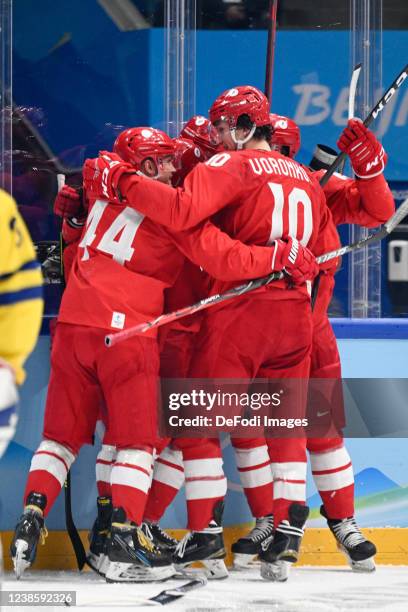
{"x":318,"y":547}
{"x":367,"y":350}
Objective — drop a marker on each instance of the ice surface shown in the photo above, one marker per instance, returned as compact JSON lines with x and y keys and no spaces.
{"x":309,"y":589}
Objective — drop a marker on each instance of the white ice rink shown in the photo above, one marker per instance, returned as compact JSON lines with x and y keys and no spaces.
{"x":309,"y":589}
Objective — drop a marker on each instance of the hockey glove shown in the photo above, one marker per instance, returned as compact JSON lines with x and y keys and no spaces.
{"x":68,"y":203}
{"x":102,"y":174}
{"x":366,"y":154}
{"x":294,"y":259}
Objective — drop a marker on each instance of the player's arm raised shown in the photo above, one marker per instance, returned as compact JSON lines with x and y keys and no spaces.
{"x":207,"y":189}
{"x":368,"y":200}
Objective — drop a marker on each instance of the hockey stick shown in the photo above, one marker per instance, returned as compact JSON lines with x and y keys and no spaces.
{"x":353,"y":90}
{"x":270,"y":49}
{"x":376,"y":110}
{"x":161,"y":599}
{"x":386,"y":229}
{"x":73,"y":534}
{"x":351,"y":101}
{"x":169,"y":595}
{"x":351,"y":106}
{"x":72,"y":531}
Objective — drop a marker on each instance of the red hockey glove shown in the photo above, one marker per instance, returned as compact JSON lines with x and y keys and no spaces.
{"x":366,"y":154}
{"x":68,"y":203}
{"x":102,"y":174}
{"x":294,"y":259}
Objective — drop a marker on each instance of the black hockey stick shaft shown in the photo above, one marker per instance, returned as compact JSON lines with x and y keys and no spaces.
{"x":69,"y":519}
{"x":73,"y":534}
{"x":270,"y":49}
{"x":375,"y":111}
{"x":387,"y":228}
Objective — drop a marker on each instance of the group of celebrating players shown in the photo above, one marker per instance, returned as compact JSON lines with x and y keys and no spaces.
{"x":161,"y":223}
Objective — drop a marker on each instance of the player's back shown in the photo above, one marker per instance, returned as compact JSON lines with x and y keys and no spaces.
{"x":278,"y":199}
{"x":123,"y":264}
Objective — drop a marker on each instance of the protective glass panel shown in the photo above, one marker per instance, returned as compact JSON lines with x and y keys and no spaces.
{"x":83,"y":70}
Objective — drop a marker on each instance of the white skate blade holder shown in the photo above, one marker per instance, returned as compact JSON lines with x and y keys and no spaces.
{"x":243,"y":561}
{"x":365,"y":566}
{"x":214,"y":569}
{"x":98,"y":563}
{"x":275,"y":572}
{"x":128,"y":572}
{"x":20,"y":564}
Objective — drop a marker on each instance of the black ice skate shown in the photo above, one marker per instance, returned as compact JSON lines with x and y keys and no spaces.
{"x":358,"y":551}
{"x":29,"y":529}
{"x":132,"y":556}
{"x":158,"y":536}
{"x":96,"y":556}
{"x":246,"y":549}
{"x":284,"y":549}
{"x":206,"y":546}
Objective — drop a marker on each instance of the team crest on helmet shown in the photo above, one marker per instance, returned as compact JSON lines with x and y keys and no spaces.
{"x":200,"y":120}
{"x":146,"y":133}
{"x":197,"y":152}
{"x":282,"y":124}
{"x":232,"y":93}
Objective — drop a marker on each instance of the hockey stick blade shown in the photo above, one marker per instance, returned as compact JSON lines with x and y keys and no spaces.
{"x":353,"y":90}
{"x":169,"y":595}
{"x":351,"y":102}
{"x":72,"y":531}
{"x":375,"y":111}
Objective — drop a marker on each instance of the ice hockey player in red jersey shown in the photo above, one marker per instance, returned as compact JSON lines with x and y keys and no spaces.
{"x":174,"y":345}
{"x":123,"y":264}
{"x":368,"y":202}
{"x":260,"y":197}
{"x":200,"y":130}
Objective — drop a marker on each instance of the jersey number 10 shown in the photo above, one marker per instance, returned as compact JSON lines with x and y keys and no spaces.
{"x":297,"y":197}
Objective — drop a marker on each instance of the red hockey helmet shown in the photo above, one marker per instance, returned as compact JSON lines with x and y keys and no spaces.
{"x":238,"y":101}
{"x":285,"y":136}
{"x":187,"y":156}
{"x":201,"y":131}
{"x":137,"y":144}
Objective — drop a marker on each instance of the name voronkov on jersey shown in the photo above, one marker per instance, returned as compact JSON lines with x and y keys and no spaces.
{"x":282,"y":167}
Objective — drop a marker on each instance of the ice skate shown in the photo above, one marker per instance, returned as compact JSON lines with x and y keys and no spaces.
{"x":358,"y":551}
{"x":284,"y":549}
{"x":132,"y":556}
{"x":97,"y":557}
{"x":29,"y":529}
{"x":206,"y":546}
{"x":246,"y":549}
{"x":158,"y":536}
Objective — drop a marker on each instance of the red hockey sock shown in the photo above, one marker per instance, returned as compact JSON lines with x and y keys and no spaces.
{"x":333,"y":475}
{"x":130,"y":479}
{"x":254,"y":467}
{"x":103,"y":469}
{"x":168,"y":478}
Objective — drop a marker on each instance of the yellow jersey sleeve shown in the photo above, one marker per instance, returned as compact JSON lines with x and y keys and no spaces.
{"x":21,"y":295}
